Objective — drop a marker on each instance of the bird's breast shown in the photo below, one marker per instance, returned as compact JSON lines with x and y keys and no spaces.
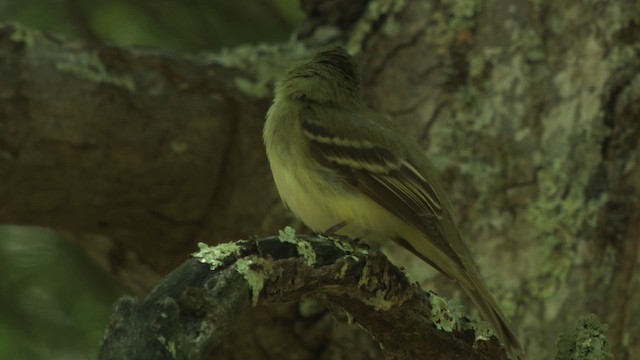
{"x":304,"y":193}
{"x":315,"y":194}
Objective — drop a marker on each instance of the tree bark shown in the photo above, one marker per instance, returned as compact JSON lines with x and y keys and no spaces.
{"x":196,"y":305}
{"x":529,"y":109}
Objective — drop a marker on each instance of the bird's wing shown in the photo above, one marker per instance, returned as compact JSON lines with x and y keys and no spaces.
{"x":380,"y":171}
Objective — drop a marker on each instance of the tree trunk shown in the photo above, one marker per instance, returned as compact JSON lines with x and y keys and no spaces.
{"x":530,"y":109}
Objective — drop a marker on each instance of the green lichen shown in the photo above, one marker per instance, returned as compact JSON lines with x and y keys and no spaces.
{"x":445,"y":314}
{"x":450,"y":19}
{"x":288,"y":235}
{"x":88,"y":66}
{"x":587,"y":341}
{"x":379,"y":301}
{"x":312,"y":307}
{"x":604,"y":270}
{"x":253,"y":270}
{"x":343,"y":246}
{"x":481,"y":329}
{"x":553,"y":197}
{"x":215,"y":256}
{"x":343,"y":271}
{"x":448,"y":315}
{"x":376,"y":10}
{"x":304,"y":248}
{"x":365,"y":279}
{"x":350,"y":249}
{"x":571,"y":143}
{"x":391,"y":27}
{"x":624,"y":54}
{"x":261,"y":65}
{"x":462,"y":13}
{"x":350,"y":319}
{"x":178,"y":147}
{"x":22,"y":35}
{"x":252,"y":87}
{"x":169,"y":345}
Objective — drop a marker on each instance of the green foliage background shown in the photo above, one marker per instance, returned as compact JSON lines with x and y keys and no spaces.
{"x":178,"y":25}
{"x":54,"y":302}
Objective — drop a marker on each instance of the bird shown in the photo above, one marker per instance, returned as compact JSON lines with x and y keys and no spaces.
{"x":339,"y":164}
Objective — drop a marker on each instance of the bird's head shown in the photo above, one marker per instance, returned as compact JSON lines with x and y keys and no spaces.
{"x":330,"y":77}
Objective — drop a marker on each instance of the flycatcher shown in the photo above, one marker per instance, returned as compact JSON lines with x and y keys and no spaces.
{"x":335,"y":161}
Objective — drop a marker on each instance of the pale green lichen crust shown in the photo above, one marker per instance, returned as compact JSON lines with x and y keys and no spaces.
{"x":380,"y":301}
{"x":288,"y":235}
{"x":261,"y":64}
{"x":89,"y":66}
{"x":350,"y":249}
{"x":216,"y":255}
{"x":587,"y":341}
{"x":481,"y":328}
{"x":253,"y":270}
{"x":376,"y":10}
{"x":169,"y":345}
{"x":22,"y":35}
{"x":448,"y":315}
{"x":445,"y":314}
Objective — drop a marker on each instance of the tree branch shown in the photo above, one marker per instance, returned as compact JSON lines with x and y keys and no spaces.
{"x":196,"y":305}
{"x":95,"y":141}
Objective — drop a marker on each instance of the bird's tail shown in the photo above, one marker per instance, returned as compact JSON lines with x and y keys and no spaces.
{"x":484,"y":302}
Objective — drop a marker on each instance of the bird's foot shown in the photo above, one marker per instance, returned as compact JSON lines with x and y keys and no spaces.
{"x":332,"y":230}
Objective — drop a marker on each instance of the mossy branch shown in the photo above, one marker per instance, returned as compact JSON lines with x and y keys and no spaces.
{"x":195,"y":306}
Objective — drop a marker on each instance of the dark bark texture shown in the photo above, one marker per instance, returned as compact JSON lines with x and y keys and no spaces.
{"x":194,"y":307}
{"x":530,"y":109}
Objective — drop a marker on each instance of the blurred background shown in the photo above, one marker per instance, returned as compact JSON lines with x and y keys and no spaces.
{"x":177,"y":25}
{"x":54,"y":302}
